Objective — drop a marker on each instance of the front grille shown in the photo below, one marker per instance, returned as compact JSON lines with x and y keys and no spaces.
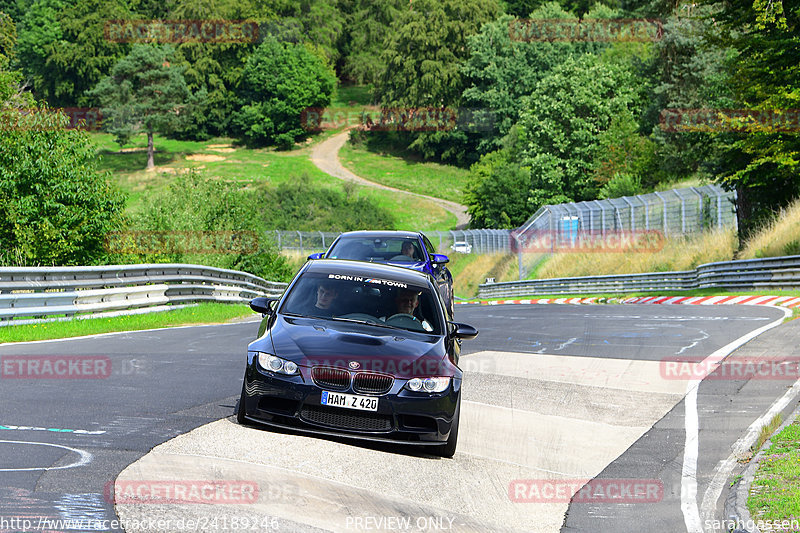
{"x":372,"y":383}
{"x":338,"y":418}
{"x":333,"y":378}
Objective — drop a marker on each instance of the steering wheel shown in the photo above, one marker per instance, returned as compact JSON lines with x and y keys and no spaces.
{"x":406,"y":315}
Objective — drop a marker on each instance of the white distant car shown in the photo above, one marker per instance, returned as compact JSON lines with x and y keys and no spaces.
{"x":462,"y":247}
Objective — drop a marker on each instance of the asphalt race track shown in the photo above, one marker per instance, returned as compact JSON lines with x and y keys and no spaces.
{"x":554,"y":396}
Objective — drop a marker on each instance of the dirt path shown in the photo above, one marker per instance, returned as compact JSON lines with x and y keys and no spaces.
{"x":325,"y":156}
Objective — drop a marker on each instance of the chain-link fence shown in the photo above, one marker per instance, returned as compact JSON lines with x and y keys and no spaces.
{"x":631,"y":224}
{"x":676,"y":211}
{"x":642,"y":221}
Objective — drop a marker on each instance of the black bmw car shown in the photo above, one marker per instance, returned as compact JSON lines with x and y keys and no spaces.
{"x":361,"y":350}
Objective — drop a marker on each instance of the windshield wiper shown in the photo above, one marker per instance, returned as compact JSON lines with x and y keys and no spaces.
{"x":357,"y":321}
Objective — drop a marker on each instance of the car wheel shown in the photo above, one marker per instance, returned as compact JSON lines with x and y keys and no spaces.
{"x":449,"y":449}
{"x":240,"y":412}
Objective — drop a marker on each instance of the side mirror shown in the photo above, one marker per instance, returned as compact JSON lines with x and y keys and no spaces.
{"x":463,"y":331}
{"x":439,"y":259}
{"x":317,"y":255}
{"x":262,"y":305}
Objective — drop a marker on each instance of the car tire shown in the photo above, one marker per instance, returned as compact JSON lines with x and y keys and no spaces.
{"x":448,"y":450}
{"x":240,"y":412}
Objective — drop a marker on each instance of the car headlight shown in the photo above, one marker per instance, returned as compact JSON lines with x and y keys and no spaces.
{"x":433,"y":384}
{"x":276,"y":364}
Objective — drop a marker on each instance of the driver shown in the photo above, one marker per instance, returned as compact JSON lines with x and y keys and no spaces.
{"x":406,"y":252}
{"x":325,"y":304}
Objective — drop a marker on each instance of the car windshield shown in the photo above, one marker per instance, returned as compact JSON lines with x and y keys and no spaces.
{"x":377,"y":249}
{"x":379,"y":301}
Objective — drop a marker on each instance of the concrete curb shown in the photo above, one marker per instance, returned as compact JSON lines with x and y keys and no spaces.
{"x":782,"y":301}
{"x":735,"y":508}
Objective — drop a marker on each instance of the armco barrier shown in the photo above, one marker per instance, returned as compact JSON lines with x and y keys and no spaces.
{"x":40,"y":291}
{"x":748,"y":274}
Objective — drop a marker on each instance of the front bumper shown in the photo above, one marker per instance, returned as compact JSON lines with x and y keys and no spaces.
{"x":403,"y":416}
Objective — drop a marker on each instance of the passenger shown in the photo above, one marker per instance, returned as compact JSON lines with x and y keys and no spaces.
{"x":406,"y":303}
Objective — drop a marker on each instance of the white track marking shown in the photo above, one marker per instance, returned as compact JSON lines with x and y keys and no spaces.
{"x":85,"y":457}
{"x":95,"y":335}
{"x":740,"y":447}
{"x":691,"y":512}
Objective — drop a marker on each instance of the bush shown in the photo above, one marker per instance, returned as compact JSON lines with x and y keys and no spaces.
{"x":55,"y":208}
{"x":279,"y":81}
{"x":298,"y":205}
{"x":204,"y":207}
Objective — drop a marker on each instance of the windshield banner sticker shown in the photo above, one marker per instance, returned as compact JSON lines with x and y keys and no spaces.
{"x":387,"y":282}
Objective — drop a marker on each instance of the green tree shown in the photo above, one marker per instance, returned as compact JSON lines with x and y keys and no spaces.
{"x":39,"y":27}
{"x":568,"y":110}
{"x":553,"y":148}
{"x":55,"y":208}
{"x":322,"y":23}
{"x":64,"y":50}
{"x":424,"y":49}
{"x":622,"y":151}
{"x":761,"y":162}
{"x":500,"y":72}
{"x":143,"y":93}
{"x":687,"y":72}
{"x":496,"y":193}
{"x":279,"y":81}
{"x":214,"y":69}
{"x":368,"y":25}
{"x":8,"y":39}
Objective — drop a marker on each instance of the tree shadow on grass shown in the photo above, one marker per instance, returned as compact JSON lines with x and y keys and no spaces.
{"x":133,"y":161}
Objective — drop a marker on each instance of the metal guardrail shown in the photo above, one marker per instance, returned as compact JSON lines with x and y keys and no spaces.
{"x":40,"y":291}
{"x":747,"y":274}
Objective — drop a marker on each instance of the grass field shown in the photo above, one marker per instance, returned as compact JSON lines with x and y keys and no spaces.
{"x":209,"y":313}
{"x":403,"y":171}
{"x":678,"y":253}
{"x":780,"y":237}
{"x":775,"y":491}
{"x":220,"y":159}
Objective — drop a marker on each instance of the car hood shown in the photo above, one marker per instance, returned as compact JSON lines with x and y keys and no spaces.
{"x":317,"y":342}
{"x":416,"y":265}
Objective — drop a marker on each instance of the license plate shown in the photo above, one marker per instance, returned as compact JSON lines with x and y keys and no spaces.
{"x":349,"y":401}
